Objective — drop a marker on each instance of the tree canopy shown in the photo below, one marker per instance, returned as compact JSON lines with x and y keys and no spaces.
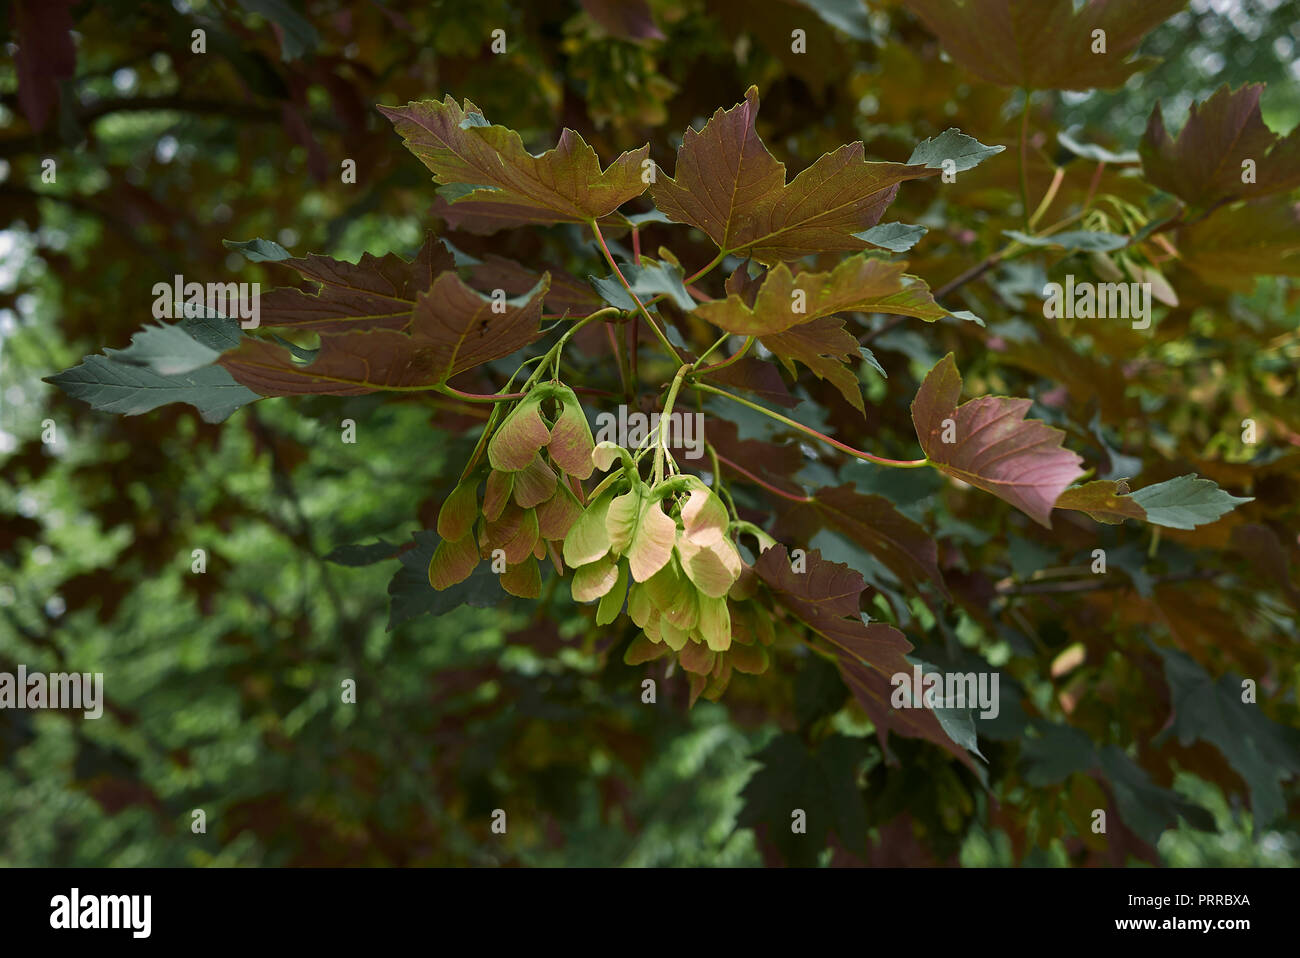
{"x":589,"y":433}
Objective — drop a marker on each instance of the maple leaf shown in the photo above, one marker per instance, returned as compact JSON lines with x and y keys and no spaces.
{"x":1106,"y":500}
{"x":823,"y":346}
{"x":874,"y":523}
{"x":757,"y":376}
{"x":728,"y":185}
{"x":1045,"y":44}
{"x":790,"y":313}
{"x":567,"y":292}
{"x":860,"y":283}
{"x":453,"y":328}
{"x":825,"y":597}
{"x":993,"y":446}
{"x":1203,"y":166}
{"x":485,"y":171}
{"x":1241,"y":242}
{"x":379,"y":292}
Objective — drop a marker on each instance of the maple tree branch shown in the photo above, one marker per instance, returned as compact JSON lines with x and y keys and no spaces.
{"x":609,"y":258}
{"x":808,"y":430}
{"x":1098,"y":584}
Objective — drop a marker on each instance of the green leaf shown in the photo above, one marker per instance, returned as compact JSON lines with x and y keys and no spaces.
{"x":297,"y":36}
{"x":822,"y":782}
{"x":993,"y":446}
{"x":130,"y":390}
{"x":870,"y":359}
{"x":729,"y":186}
{"x":357,"y":554}
{"x":957,"y":722}
{"x":213,"y":330}
{"x":166,"y":350}
{"x":259,"y":250}
{"x":1262,"y":752}
{"x":1056,"y":753}
{"x":893,"y":236}
{"x":1090,"y":151}
{"x":964,"y":151}
{"x":1145,"y":807}
{"x":848,"y":16}
{"x":563,"y":185}
{"x":647,"y":280}
{"x":1072,"y":240}
{"x":1186,"y":502}
{"x":411,"y":595}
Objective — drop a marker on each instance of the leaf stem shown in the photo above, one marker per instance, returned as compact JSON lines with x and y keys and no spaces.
{"x":476,"y":397}
{"x":808,"y":430}
{"x":553,"y":354}
{"x":707,"y":268}
{"x":609,"y":258}
{"x":757,"y":481}
{"x":705,"y":355}
{"x":1048,"y":196}
{"x":729,"y":361}
{"x":662,"y":444}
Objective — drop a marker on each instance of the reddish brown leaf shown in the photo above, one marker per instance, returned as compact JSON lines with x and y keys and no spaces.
{"x":993,"y":446}
{"x":1203,"y":166}
{"x":494,"y":177}
{"x":453,"y":328}
{"x":1045,"y":44}
{"x":728,"y":185}
{"x":873,"y":522}
{"x":1104,"y":499}
{"x":379,"y":292}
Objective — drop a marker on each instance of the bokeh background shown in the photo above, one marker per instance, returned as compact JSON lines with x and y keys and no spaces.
{"x":223,"y":687}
